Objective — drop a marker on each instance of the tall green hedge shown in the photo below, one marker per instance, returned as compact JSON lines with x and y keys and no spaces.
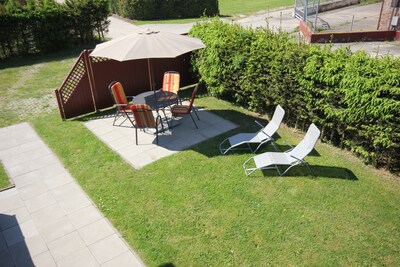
{"x":164,"y":9}
{"x":41,"y":26}
{"x":353,"y":98}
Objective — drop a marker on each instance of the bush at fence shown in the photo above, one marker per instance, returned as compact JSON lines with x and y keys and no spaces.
{"x":164,"y":9}
{"x":41,"y":26}
{"x":355,"y":99}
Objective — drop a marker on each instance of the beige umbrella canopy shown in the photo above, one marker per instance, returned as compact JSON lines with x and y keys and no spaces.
{"x":147,"y":44}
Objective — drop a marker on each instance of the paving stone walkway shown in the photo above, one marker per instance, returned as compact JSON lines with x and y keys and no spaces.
{"x":47,"y":219}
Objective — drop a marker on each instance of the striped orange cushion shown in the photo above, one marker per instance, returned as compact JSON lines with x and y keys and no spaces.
{"x":171,"y":82}
{"x":143,"y":116}
{"x":127,"y":108}
{"x":180,"y":109}
{"x":119,"y":93}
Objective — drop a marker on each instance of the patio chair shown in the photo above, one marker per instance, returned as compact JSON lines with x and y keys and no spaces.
{"x":144,"y":119}
{"x":121,"y":102}
{"x":291,"y":157}
{"x":179,"y":110}
{"x":245,"y":140}
{"x":171,"y":81}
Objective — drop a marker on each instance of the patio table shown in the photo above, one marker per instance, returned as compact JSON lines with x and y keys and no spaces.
{"x":159,"y":100}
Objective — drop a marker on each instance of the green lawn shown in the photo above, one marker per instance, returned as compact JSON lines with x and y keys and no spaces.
{"x":230,"y":8}
{"x":234,"y":7}
{"x":4,"y":181}
{"x":167,"y":21}
{"x":30,"y":82}
{"x":197,"y":207}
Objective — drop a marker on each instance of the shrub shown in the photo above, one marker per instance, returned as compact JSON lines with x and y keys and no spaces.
{"x":164,"y":9}
{"x":222,"y":63}
{"x":46,"y":25}
{"x":355,"y":99}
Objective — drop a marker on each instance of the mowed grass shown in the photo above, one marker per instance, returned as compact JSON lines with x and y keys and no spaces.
{"x":229,"y":8}
{"x":4,"y":181}
{"x":167,"y":21}
{"x":197,"y":207}
{"x":246,"y":7}
{"x":235,"y":7}
{"x":27,"y":84}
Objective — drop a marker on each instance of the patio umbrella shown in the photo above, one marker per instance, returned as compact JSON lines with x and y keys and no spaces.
{"x":147,"y":44}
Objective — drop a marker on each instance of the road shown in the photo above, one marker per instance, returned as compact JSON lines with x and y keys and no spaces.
{"x":365,"y":18}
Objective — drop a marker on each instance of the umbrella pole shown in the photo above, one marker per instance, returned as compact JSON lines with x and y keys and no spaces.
{"x":151,"y":80}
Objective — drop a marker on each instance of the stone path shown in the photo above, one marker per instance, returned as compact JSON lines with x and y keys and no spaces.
{"x":46,"y":219}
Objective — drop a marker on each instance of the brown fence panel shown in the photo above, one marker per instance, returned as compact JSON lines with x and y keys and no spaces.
{"x":180,"y":64}
{"x":74,"y":96}
{"x":134,"y":75}
{"x":86,"y":87}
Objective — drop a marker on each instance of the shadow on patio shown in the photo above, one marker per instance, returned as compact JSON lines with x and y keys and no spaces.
{"x":214,"y":126}
{"x":183,"y":135}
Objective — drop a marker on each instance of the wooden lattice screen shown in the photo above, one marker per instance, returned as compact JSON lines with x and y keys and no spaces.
{"x":85,"y":89}
{"x":75,"y":95}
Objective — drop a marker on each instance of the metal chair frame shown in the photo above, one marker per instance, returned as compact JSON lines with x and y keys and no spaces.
{"x":297,"y":154}
{"x":157,"y":121}
{"x":122,"y":109}
{"x":188,"y":108}
{"x":263,"y":136}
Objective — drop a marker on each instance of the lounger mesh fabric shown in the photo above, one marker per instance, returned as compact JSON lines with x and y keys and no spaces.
{"x":291,"y":158}
{"x":244,"y":140}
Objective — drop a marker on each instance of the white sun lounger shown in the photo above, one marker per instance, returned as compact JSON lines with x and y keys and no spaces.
{"x":238,"y":141}
{"x":291,"y":158}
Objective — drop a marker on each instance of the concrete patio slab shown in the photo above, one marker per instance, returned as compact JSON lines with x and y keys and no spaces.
{"x":47,"y":219}
{"x":182,"y":135}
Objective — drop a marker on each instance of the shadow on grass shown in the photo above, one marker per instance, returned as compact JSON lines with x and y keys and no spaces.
{"x":169,"y":264}
{"x":210,"y":147}
{"x":100,"y":114}
{"x":320,"y":171}
{"x":246,"y":123}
